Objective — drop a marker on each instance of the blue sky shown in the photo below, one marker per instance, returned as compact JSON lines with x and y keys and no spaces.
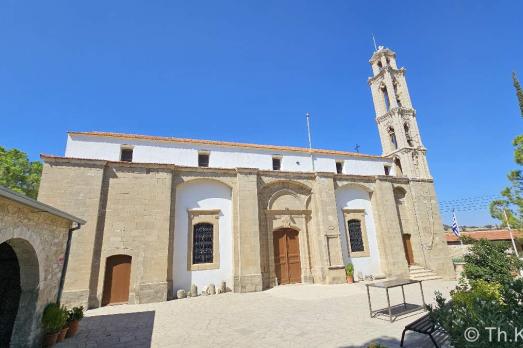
{"x":249,"y":70}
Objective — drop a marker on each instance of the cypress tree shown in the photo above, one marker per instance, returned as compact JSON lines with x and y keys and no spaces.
{"x":519,"y":92}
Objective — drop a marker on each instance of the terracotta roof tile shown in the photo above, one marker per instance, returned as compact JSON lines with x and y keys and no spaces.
{"x":485,"y":234}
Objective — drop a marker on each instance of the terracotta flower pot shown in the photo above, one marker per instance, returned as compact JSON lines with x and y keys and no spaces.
{"x":350,"y":279}
{"x":50,"y":339}
{"x":73,"y":328}
{"x":61,"y":334}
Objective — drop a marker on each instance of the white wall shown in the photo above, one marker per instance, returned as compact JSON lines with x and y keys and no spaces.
{"x":202,"y":194}
{"x":184,"y":154}
{"x":353,"y":197}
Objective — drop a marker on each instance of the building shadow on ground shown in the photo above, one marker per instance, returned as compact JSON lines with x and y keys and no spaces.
{"x":412,"y":340}
{"x":115,"y":330}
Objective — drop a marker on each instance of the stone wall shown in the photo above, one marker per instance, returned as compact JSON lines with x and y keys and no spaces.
{"x":131,"y":207}
{"x":77,"y":188}
{"x":39,"y":241}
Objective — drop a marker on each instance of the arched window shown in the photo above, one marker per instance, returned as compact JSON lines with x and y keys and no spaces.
{"x":202,"y":243}
{"x":393,"y":139}
{"x":386,"y":97}
{"x":380,"y":65}
{"x":399,"y":170}
{"x":398,"y":100}
{"x":407,"y":134}
{"x":355,"y":235}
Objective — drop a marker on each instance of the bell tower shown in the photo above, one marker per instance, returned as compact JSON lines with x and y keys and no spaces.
{"x":395,"y":116}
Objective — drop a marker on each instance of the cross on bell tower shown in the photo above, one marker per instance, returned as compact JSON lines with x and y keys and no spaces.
{"x":395,"y":116}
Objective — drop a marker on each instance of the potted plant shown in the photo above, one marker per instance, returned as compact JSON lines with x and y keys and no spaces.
{"x":74,"y":316}
{"x":65,"y":327}
{"x":349,"y":271}
{"x":53,"y":320}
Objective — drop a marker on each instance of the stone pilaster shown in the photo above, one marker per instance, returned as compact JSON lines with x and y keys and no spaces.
{"x":328,"y":234}
{"x":430,"y":229}
{"x":388,"y":230}
{"x":75,"y":188}
{"x":247,"y":275}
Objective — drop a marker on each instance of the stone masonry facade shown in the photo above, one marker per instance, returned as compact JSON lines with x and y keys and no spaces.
{"x":39,"y":241}
{"x":130,"y":209}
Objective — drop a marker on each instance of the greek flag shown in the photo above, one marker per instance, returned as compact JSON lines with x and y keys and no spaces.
{"x":455,"y":227}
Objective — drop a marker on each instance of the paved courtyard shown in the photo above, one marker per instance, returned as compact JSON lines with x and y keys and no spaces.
{"x":285,"y":316}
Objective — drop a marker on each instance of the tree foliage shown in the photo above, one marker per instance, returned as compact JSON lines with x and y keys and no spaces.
{"x":489,"y":296}
{"x":489,"y":261}
{"x":18,"y":173}
{"x":512,"y":201}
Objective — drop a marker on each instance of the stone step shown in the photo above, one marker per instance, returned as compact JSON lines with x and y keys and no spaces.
{"x":423,"y":270}
{"x":420,"y":273}
{"x":431,"y":277}
{"x":424,"y":274}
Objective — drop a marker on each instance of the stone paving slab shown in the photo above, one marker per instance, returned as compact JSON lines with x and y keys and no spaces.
{"x":285,"y":316}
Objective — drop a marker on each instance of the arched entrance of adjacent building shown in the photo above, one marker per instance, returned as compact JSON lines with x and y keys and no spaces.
{"x":10,"y":291}
{"x":117,"y":280}
{"x":17,"y":290}
{"x":287,"y":256}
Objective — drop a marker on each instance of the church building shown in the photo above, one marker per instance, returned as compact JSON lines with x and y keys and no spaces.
{"x":164,"y":213}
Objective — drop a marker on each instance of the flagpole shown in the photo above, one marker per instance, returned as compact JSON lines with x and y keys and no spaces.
{"x":457,"y":231}
{"x":308,"y":116}
{"x":510,"y":231}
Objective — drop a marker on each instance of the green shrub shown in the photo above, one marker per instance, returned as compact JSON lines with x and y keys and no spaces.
{"x":349,"y":269}
{"x":54,"y":318}
{"x":490,"y":297}
{"x":458,"y":259}
{"x":480,"y":305}
{"x":76,"y":313}
{"x":490,"y":262}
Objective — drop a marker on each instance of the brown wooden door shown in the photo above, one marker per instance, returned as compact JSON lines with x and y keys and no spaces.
{"x":117,"y":280}
{"x":287,"y":256}
{"x":408,"y":249}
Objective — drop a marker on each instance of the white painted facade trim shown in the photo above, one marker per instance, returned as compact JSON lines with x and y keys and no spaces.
{"x":184,"y":154}
{"x":202,"y":195}
{"x":350,"y":197}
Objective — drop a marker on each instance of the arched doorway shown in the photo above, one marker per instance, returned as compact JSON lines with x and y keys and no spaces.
{"x":18,"y":290}
{"x":10,"y":292}
{"x":287,"y":256}
{"x":117,"y":280}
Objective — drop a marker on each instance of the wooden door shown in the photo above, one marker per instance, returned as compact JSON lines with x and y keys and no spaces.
{"x":408,"y":249}
{"x":287,"y":256}
{"x":117,"y":280}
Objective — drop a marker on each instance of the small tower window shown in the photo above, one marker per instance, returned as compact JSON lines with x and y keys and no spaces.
{"x":398,"y":99}
{"x":393,"y":139}
{"x":339,"y":167}
{"x":203,"y":159}
{"x":407,"y":134}
{"x":126,"y":154}
{"x":276,"y":163}
{"x":386,"y":97}
{"x":387,"y":170}
{"x":380,"y":65}
{"x":399,"y":170}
